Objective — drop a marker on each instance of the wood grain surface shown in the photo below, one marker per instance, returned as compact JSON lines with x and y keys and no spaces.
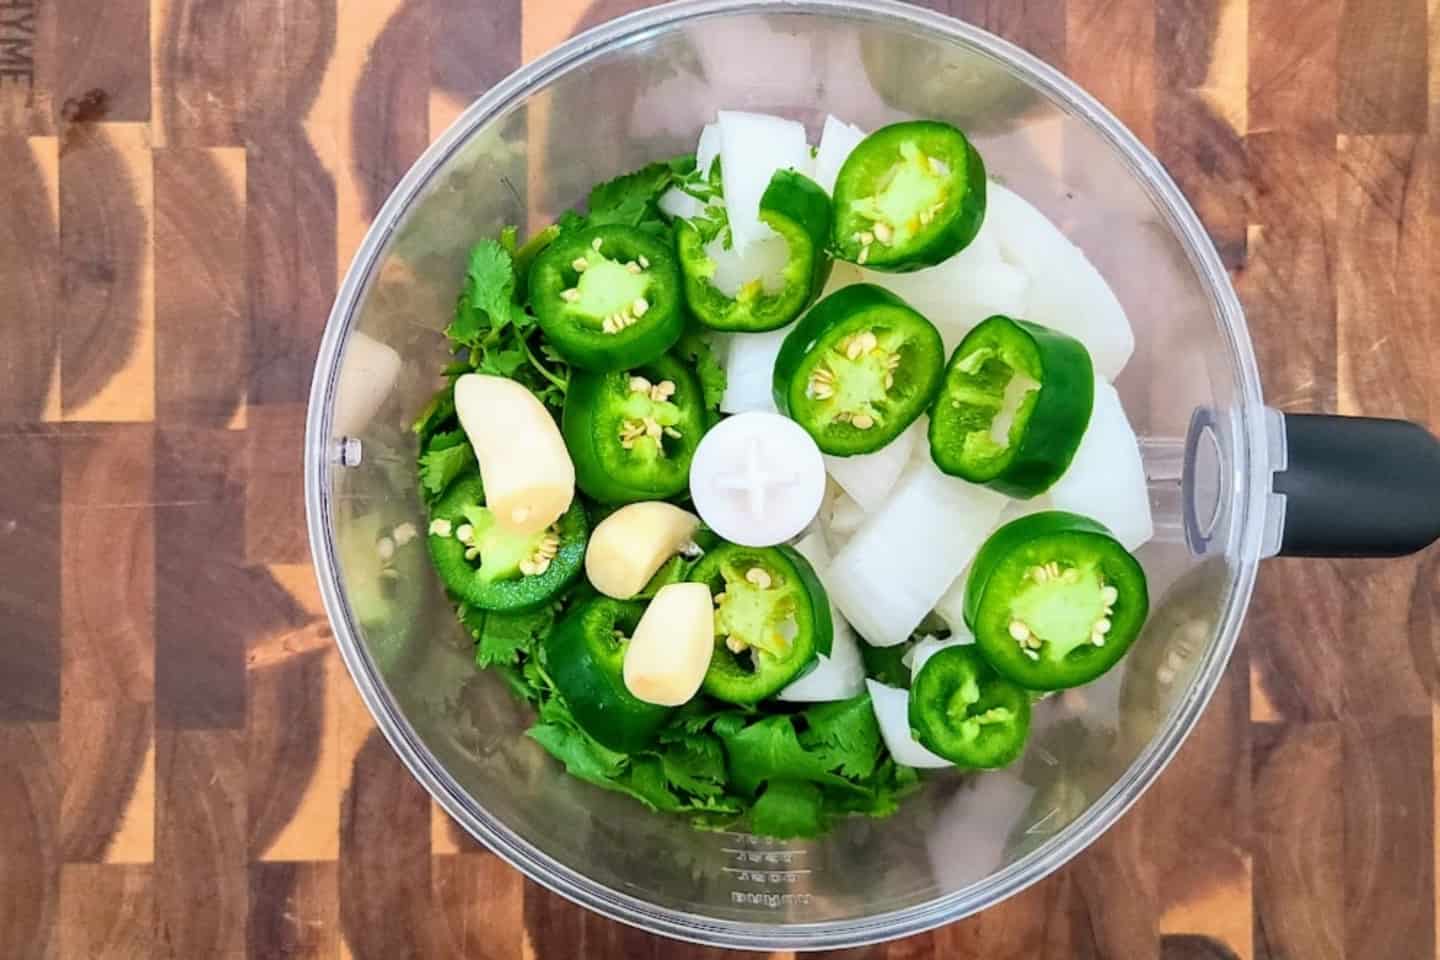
{"x":188,"y":772}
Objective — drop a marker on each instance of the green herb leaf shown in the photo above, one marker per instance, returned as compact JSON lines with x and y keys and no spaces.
{"x":694,"y":348}
{"x":631,"y":198}
{"x":487,"y":305}
{"x":581,"y":755}
{"x":493,"y":329}
{"x":502,"y":363}
{"x":844,"y":735}
{"x":769,"y":749}
{"x":788,"y":808}
{"x":646,"y":780}
{"x":442,"y":464}
{"x":695,"y":764}
{"x":503,"y":637}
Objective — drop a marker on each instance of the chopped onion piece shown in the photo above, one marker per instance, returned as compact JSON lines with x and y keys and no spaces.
{"x":901,"y":560}
{"x":837,"y":139}
{"x":1106,"y":480}
{"x":892,"y":712}
{"x":1066,"y":291}
{"x":752,"y":147}
{"x":750,"y":370}
{"x":951,"y":606}
{"x":869,"y":477}
{"x":845,"y":515}
{"x":967,"y":288}
{"x":764,"y":259}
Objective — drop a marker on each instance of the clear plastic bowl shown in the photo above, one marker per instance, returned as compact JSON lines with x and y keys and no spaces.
{"x":640,"y":88}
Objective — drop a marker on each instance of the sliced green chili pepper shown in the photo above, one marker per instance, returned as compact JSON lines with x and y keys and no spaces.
{"x":632,"y":433}
{"x":488,"y":567}
{"x":608,"y":297}
{"x":1054,"y":600}
{"x":771,"y":619}
{"x":858,"y":369}
{"x":585,"y":656}
{"x":909,"y":196}
{"x":1014,"y":406}
{"x":963,"y":710}
{"x":796,"y":208}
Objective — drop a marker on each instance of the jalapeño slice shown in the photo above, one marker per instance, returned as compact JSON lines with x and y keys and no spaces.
{"x":632,"y":433}
{"x":585,"y":656}
{"x":1014,"y":406}
{"x":963,"y":710}
{"x":607,"y":297}
{"x":490,"y":568}
{"x":1054,"y":600}
{"x":858,"y":369}
{"x":797,"y":209}
{"x":771,"y":619}
{"x":909,"y":196}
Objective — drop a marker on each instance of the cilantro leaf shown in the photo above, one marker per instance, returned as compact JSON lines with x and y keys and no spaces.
{"x":788,"y":808}
{"x":695,"y":716}
{"x":632,"y":197}
{"x":502,"y":363}
{"x":581,"y":755}
{"x":486,"y":301}
{"x":493,"y":329}
{"x":695,"y":764}
{"x":646,"y":780}
{"x":713,"y":222}
{"x":695,"y":349}
{"x":448,"y":456}
{"x":883,"y":792}
{"x":769,"y":749}
{"x":844,"y":735}
{"x":503,"y":637}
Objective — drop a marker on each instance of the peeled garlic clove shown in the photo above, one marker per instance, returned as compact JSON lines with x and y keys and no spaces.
{"x":666,"y":660}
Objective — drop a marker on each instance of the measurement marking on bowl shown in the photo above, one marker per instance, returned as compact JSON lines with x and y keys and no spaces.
{"x":767,"y":876}
{"x":772,"y":857}
{"x":772,"y":900}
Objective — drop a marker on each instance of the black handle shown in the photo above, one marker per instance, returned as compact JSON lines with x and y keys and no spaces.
{"x":1358,"y":487}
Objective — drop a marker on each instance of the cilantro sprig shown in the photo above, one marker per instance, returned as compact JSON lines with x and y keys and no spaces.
{"x":494,"y":331}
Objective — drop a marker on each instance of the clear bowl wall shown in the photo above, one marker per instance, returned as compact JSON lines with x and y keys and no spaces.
{"x":639,"y":89}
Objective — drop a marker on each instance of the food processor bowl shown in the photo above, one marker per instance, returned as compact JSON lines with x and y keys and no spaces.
{"x":640,"y":88}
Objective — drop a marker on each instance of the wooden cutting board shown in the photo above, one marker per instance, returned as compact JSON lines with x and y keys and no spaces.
{"x":188,"y":772}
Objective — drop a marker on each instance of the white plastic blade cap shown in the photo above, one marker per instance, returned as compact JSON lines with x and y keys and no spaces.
{"x":757,"y":479}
